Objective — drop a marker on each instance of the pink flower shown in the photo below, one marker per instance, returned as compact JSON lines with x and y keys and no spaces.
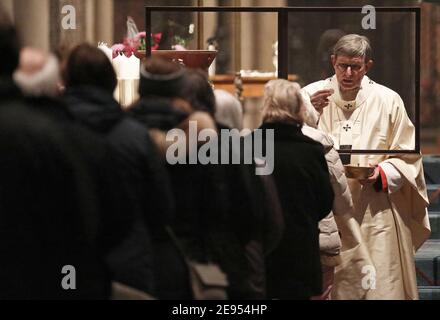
{"x":157,"y":37}
{"x":130,"y":47}
{"x":117,"y":49}
{"x":129,"y":51}
{"x":140,"y":36}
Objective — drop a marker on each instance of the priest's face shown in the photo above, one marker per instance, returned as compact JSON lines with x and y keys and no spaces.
{"x":350,"y":71}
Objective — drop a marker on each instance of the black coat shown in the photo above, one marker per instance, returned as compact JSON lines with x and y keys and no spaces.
{"x":114,"y":217}
{"x":9,"y":92}
{"x":222,"y":210}
{"x":47,"y":217}
{"x":49,"y":214}
{"x":303,"y":183}
{"x":142,"y":177}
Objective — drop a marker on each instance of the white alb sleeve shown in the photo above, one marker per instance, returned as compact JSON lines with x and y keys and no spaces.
{"x":394,"y":178}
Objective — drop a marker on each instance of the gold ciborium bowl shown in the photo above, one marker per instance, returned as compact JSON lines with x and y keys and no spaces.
{"x":357,"y":172}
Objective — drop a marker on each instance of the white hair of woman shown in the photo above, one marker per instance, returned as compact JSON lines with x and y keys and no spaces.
{"x":229,"y":111}
{"x":38,"y":73}
{"x":283,"y":102}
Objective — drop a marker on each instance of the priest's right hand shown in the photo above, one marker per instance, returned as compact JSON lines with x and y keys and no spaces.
{"x":320,"y":100}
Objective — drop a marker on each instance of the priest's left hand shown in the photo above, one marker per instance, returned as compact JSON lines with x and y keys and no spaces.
{"x":371,"y":179}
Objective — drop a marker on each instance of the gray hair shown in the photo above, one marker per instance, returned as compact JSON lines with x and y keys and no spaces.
{"x":283,"y":102}
{"x":353,"y":45}
{"x":228,"y":110}
{"x":43,"y":82}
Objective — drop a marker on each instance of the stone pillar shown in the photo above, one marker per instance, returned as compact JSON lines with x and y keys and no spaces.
{"x":39,"y":22}
{"x":258,"y":32}
{"x":209,"y":21}
{"x":267,"y":26}
{"x":104,"y":26}
{"x":32,"y":20}
{"x":8,"y":6}
{"x":94,"y":22}
{"x":249,"y":48}
{"x":90,"y":8}
{"x":66,"y":38}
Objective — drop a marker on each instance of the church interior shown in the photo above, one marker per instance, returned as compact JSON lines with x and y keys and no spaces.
{"x":255,"y":46}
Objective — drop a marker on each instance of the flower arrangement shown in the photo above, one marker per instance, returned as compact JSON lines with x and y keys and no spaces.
{"x":138,"y":43}
{"x":141,"y":40}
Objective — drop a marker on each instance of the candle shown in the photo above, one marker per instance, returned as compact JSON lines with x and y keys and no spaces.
{"x":135,"y":67}
{"x":128,"y":70}
{"x":117,"y":65}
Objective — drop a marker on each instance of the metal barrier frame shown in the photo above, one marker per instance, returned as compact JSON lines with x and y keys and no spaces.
{"x":283,"y":19}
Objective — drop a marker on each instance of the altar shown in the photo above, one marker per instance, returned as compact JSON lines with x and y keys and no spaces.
{"x":253,"y":86}
{"x":244,"y":84}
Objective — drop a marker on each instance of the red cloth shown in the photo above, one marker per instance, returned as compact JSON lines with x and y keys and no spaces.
{"x":384,"y":180}
{"x":328,"y":277}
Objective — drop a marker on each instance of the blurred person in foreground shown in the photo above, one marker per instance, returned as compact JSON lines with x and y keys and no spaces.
{"x":38,"y":76}
{"x":9,"y":57}
{"x":47,"y":217}
{"x":90,"y":81}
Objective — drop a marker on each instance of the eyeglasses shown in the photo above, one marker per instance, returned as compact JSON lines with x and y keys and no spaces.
{"x":353,"y":67}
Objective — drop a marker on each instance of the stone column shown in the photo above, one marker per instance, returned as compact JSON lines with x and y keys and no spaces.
{"x":90,"y":8}
{"x":8,"y":6}
{"x":32,"y":20}
{"x":258,"y":32}
{"x":209,"y":20}
{"x":66,"y":38}
{"x":249,"y":38}
{"x":39,"y":22}
{"x":267,"y":27}
{"x":104,"y":26}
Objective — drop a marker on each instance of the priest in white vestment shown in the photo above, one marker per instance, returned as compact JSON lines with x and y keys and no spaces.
{"x":390,"y":220}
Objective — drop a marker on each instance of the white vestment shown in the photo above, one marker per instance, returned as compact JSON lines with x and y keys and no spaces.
{"x":386,"y":228}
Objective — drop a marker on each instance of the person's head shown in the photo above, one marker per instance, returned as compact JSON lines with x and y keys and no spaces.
{"x":38,"y":73}
{"x":89,"y":66}
{"x":283,"y":102}
{"x":229,"y":111}
{"x":197,"y":90}
{"x":351,"y":60}
{"x":160,"y":77}
{"x":9,"y":46}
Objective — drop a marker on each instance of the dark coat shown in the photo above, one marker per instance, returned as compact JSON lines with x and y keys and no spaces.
{"x":115,"y":217}
{"x":141,"y":174}
{"x":9,"y":92}
{"x":302,"y":179}
{"x":254,"y":216}
{"x":221,"y":209}
{"x":47,"y":217}
{"x":49,"y":214}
